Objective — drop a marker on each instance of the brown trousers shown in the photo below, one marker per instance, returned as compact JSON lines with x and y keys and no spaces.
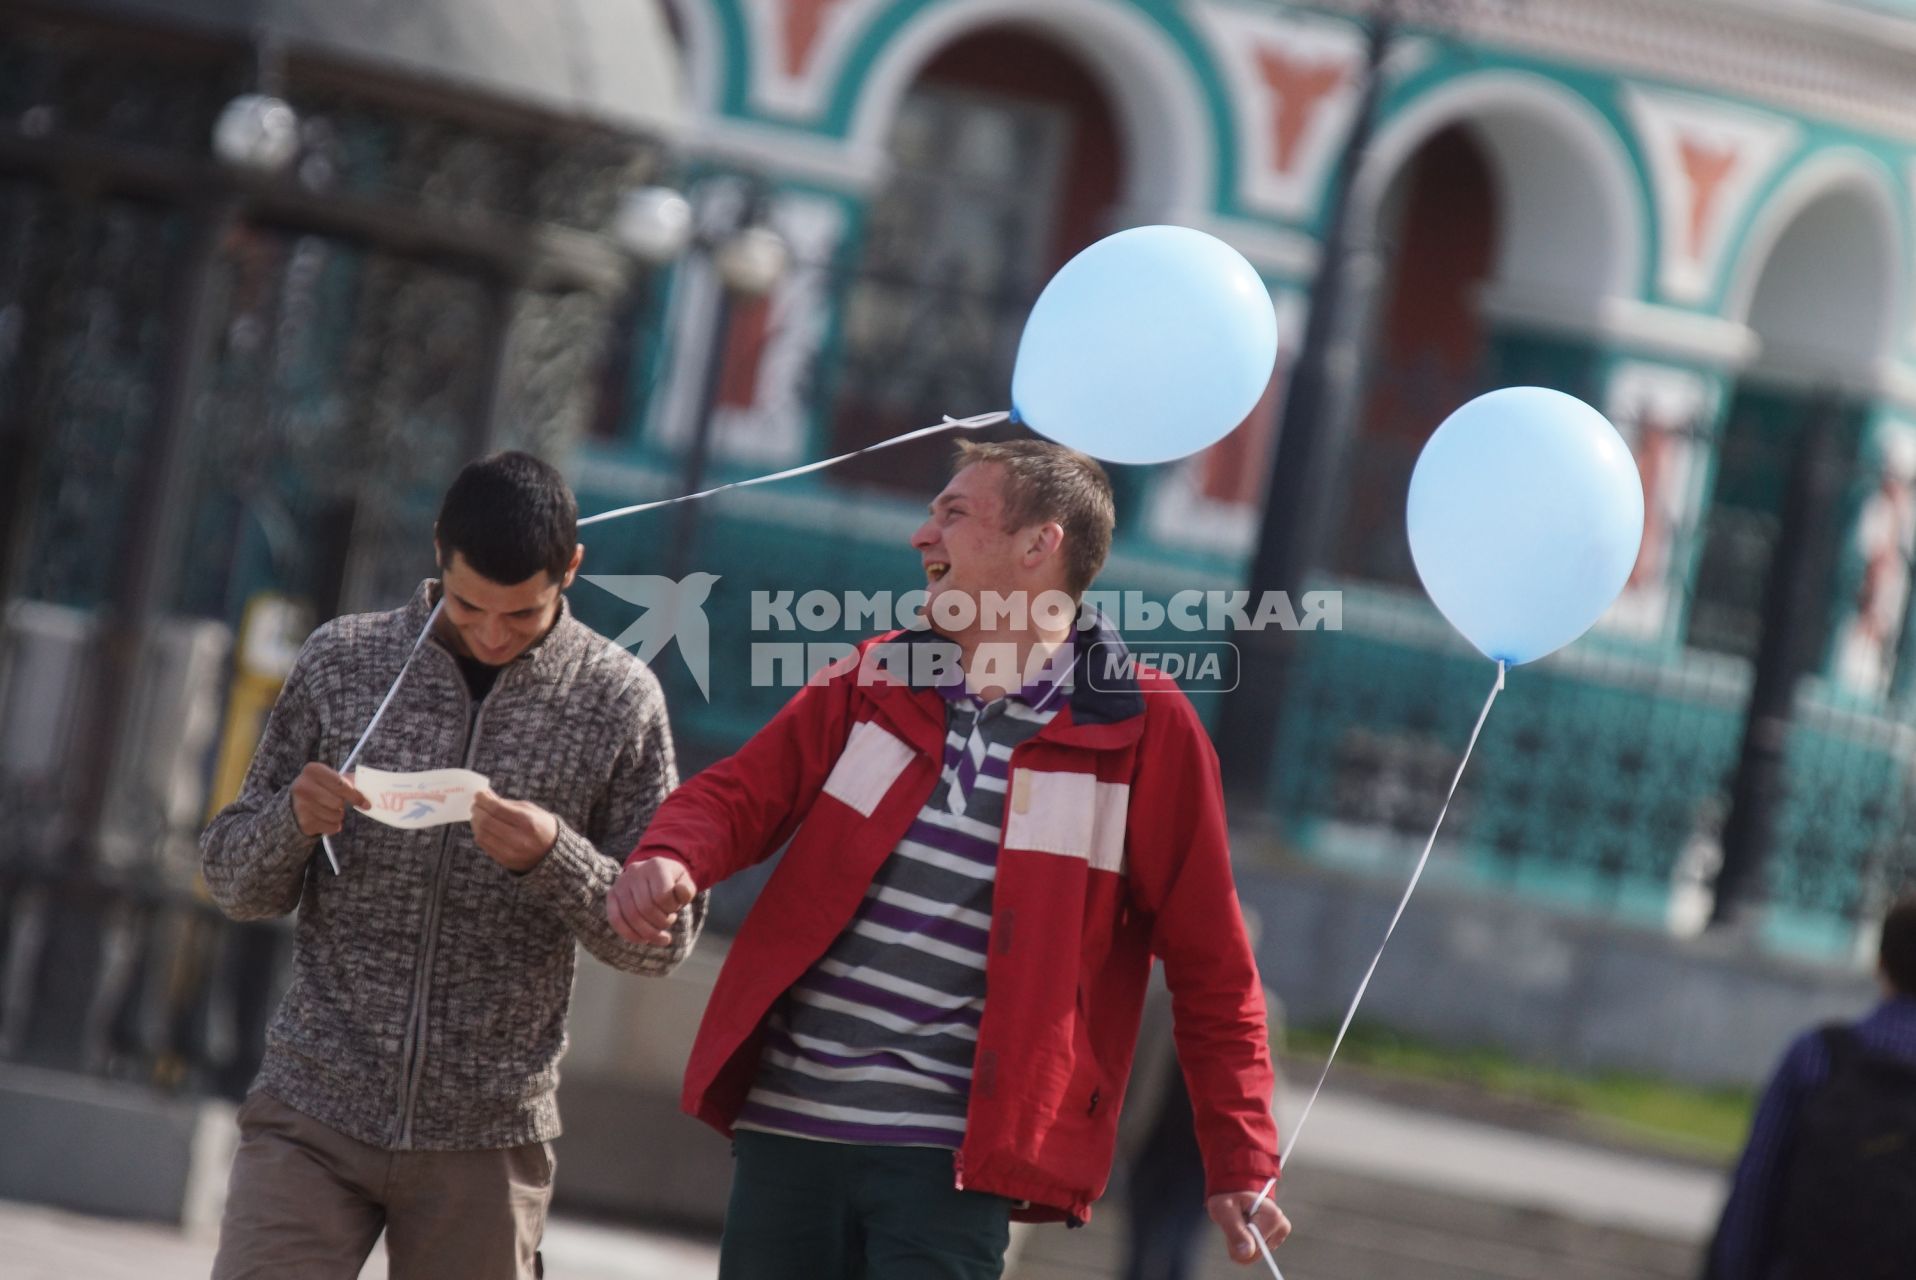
{"x":306,"y":1202}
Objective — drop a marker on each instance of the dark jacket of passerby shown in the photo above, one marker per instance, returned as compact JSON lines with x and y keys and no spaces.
{"x":1834,"y":1136}
{"x":430,"y":984}
{"x":1157,"y":1143}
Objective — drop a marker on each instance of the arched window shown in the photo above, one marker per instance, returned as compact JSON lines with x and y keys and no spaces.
{"x":1004,"y":163}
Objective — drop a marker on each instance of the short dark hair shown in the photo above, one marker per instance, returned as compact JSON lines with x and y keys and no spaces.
{"x":1045,"y":482}
{"x":510,"y":515}
{"x":1898,"y":950}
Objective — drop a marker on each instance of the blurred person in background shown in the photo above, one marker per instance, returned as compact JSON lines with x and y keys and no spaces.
{"x":1157,"y":1142}
{"x":409,"y":1077}
{"x":1826,"y":1187}
{"x":925,"y":1026}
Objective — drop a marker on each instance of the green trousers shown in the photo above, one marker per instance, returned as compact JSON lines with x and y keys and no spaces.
{"x":805,"y":1210}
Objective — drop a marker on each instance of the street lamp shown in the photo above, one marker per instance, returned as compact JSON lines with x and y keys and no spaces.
{"x":653,"y":224}
{"x":658,"y":225}
{"x":256,"y":133}
{"x":751,"y":263}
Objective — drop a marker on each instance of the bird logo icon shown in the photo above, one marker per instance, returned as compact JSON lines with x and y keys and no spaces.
{"x":673,"y":610}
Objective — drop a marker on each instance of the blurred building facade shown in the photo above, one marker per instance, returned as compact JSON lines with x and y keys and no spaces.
{"x":1695,"y":214}
{"x":228,"y":400}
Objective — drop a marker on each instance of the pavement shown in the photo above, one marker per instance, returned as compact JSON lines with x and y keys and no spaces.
{"x":1377,"y":1188}
{"x":1394,"y":1144}
{"x":37,"y":1243}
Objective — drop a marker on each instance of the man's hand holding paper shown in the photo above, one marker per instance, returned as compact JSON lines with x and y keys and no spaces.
{"x":320,"y":796}
{"x":430,"y":798}
{"x":516,"y":834}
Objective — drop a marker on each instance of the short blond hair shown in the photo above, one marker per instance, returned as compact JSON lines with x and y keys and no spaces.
{"x":1047,"y":482}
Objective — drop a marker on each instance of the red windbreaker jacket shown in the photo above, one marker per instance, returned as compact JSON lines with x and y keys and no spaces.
{"x":1113,"y":849}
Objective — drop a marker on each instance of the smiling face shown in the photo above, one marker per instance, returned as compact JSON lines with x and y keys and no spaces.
{"x":965,"y":546}
{"x":494,"y":622}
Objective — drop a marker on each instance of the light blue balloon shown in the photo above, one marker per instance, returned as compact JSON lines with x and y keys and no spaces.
{"x":1525,"y":516}
{"x":1147,"y":346}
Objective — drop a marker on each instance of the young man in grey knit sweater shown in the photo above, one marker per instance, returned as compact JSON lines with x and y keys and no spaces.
{"x":409,"y":1073}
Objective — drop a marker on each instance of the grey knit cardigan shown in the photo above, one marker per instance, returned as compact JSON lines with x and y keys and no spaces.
{"x":429,"y":991}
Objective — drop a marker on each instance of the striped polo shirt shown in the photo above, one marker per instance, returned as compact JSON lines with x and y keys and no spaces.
{"x":874,"y":1044}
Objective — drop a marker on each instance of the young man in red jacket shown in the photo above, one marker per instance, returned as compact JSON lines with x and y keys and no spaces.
{"x":925,"y":1026}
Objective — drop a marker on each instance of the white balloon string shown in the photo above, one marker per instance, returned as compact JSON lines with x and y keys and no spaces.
{"x":1264,"y":1247}
{"x":1290,"y":1145}
{"x":950,"y":423}
{"x":326,"y":842}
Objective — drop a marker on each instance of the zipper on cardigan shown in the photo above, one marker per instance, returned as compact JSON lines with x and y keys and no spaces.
{"x":422,"y":967}
{"x":412,"y":1069}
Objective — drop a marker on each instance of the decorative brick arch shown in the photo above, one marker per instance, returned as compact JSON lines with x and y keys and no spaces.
{"x":1567,"y":182}
{"x":1847,"y":307}
{"x":1168,"y":133}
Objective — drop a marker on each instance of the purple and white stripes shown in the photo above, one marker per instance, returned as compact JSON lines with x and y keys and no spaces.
{"x":874,"y":1044}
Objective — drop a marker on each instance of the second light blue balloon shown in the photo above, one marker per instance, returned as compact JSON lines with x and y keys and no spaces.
{"x":1525,"y":517}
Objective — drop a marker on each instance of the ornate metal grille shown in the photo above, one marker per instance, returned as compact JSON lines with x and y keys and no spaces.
{"x":94,"y":307}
